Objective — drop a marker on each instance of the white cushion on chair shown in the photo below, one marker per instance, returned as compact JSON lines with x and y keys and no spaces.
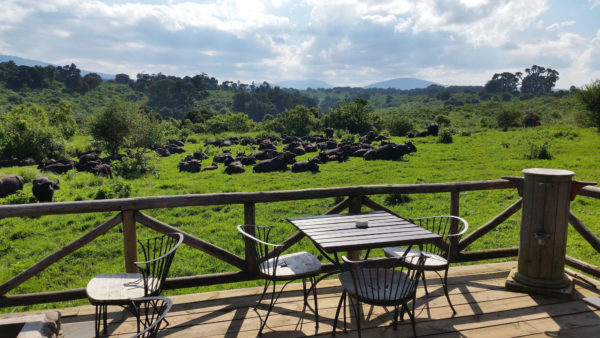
{"x":431,"y":261}
{"x":292,"y":265}
{"x":114,"y":288}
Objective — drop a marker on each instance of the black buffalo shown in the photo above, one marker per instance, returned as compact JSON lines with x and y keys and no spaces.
{"x":43,"y":189}
{"x":235,"y":167}
{"x":10,"y":184}
{"x":273,"y":164}
{"x":310,"y":165}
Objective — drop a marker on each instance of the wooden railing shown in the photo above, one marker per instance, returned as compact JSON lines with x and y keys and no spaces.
{"x":130,"y":212}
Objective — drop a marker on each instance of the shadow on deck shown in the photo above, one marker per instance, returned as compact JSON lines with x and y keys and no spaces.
{"x":484,"y":309}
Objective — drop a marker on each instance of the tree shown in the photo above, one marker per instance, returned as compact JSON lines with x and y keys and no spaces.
{"x":352,"y":116}
{"x":589,"y":95}
{"x":400,"y":126}
{"x":505,"y":82}
{"x":509,"y":118}
{"x":229,"y":122}
{"x":92,"y":80}
{"x":299,"y":121}
{"x":110,"y":126}
{"x":61,"y":117}
{"x":26,"y":132}
{"x":538,"y":80}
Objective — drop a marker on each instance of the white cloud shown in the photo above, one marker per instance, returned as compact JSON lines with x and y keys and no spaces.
{"x":556,"y":26}
{"x":594,"y":3}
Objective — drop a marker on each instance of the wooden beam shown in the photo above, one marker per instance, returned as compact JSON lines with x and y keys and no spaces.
{"x":158,"y":202}
{"x":250,"y":246}
{"x":583,"y":266}
{"x":454,"y":211}
{"x":192,"y":241}
{"x":339,"y":207}
{"x":170,"y":284}
{"x":588,"y":191}
{"x":60,"y":253}
{"x":494,"y":222}
{"x":479,"y":255}
{"x":129,"y":241}
{"x":584,"y":231}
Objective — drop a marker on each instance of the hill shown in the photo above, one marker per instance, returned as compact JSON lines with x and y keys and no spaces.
{"x":403,"y":83}
{"x":30,"y":63}
{"x":303,"y":84}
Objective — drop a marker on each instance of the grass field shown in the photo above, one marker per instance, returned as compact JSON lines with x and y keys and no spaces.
{"x":480,"y":156}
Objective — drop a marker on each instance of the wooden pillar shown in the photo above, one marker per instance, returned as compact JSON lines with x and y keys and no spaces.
{"x":250,"y":219}
{"x":354,"y":208}
{"x":129,"y":240}
{"x":454,"y":211}
{"x":543,"y":237}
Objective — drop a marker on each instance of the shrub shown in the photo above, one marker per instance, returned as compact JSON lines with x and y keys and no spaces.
{"x":508,"y":118}
{"x":113,"y":189}
{"x":400,"y":126}
{"x":347,"y":137}
{"x":110,"y":126}
{"x":299,"y":121}
{"x":20,"y":197}
{"x":445,"y":136}
{"x":61,"y":117}
{"x":26,"y":131}
{"x":531,"y":119}
{"x":589,"y":95}
{"x":538,"y":152}
{"x":442,"y":120}
{"x":465,"y":133}
{"x":131,"y":168}
{"x":355,"y":116}
{"x":397,"y":199}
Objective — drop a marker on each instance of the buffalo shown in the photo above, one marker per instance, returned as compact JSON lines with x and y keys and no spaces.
{"x":390,"y":151}
{"x":102,"y":169}
{"x":273,"y":164}
{"x":310,"y":165}
{"x":235,"y":167}
{"x":10,"y":184}
{"x":190,"y":165}
{"x":43,"y":189}
{"x":213,"y":166}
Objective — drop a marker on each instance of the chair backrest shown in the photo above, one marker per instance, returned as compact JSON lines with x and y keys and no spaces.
{"x":386,"y":281}
{"x":443,"y":226}
{"x":265,"y":254}
{"x":158,"y":255}
{"x":152,"y":312}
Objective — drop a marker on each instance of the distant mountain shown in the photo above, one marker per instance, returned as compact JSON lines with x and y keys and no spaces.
{"x":30,"y":63}
{"x":402,"y":83}
{"x":303,"y":84}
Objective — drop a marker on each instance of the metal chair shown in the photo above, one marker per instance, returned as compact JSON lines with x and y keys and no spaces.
{"x":151,"y":312}
{"x":438,"y":254}
{"x":274,"y":267}
{"x":381,"y":282}
{"x":120,"y":288}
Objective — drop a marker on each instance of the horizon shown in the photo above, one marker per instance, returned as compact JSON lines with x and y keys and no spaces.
{"x":342,"y":43}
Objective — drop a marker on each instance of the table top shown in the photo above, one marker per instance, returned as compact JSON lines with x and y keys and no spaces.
{"x":338,"y":232}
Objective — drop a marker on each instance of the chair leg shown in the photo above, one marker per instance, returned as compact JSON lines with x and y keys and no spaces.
{"x":100,"y":319}
{"x":425,"y":283}
{"x":395,"y":321}
{"x":337,"y":313}
{"x":271,"y":306}
{"x":412,"y":317}
{"x":357,"y":315}
{"x":314,"y":287}
{"x":445,"y":284}
{"x":345,"y":321}
{"x":263,"y":294}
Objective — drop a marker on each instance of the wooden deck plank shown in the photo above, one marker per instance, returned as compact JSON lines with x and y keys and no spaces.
{"x":484,"y":309}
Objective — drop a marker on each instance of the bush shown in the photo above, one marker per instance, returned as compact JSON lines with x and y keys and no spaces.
{"x":445,"y":136}
{"x":220,"y":123}
{"x":508,"y":118}
{"x":397,"y":199}
{"x":110,"y":127}
{"x":347,"y":137}
{"x":113,"y":189}
{"x":20,"y":197}
{"x":539,"y":152}
{"x":589,"y":95}
{"x":531,"y":119}
{"x":131,"y":168}
{"x":400,"y":126}
{"x":355,"y":116}
{"x":26,"y":131}
{"x":299,"y":121}
{"x":442,"y":120}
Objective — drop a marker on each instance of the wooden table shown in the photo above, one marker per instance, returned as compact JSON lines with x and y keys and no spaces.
{"x":334,"y":233}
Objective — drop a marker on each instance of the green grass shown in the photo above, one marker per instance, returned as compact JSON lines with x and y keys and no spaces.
{"x":482,"y":155}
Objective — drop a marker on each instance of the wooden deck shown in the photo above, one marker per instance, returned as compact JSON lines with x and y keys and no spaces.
{"x":485,"y":309}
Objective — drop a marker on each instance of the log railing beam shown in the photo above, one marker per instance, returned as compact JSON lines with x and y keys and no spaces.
{"x":584,"y":231}
{"x":192,"y":241}
{"x":489,"y":226}
{"x":60,"y":253}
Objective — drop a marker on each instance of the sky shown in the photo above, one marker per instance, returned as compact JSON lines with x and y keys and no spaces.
{"x":342,"y":42}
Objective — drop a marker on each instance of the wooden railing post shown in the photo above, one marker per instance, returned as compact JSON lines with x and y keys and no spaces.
{"x":250,"y":219}
{"x":454,"y":211}
{"x":354,"y":208}
{"x":129,"y":240}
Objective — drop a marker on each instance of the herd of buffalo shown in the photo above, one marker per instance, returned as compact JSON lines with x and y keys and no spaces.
{"x":265,"y":159}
